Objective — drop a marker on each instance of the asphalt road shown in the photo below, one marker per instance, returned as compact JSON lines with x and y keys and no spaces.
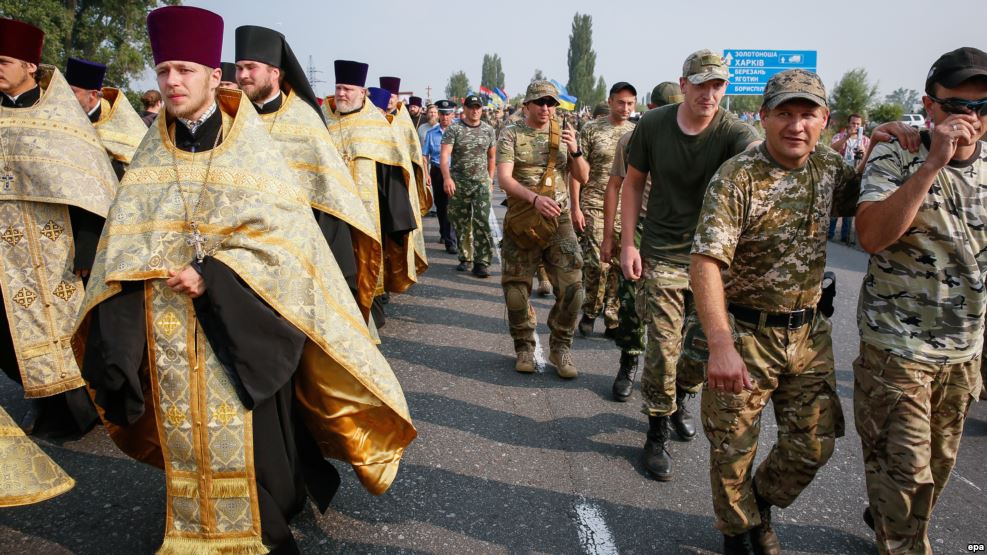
{"x":509,"y":463}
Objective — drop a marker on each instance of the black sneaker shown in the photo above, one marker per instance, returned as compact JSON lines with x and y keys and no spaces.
{"x":451,"y":249}
{"x":480,"y":271}
{"x":463,"y":266}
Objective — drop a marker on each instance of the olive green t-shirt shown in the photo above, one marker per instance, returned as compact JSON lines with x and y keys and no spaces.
{"x":680,"y":167}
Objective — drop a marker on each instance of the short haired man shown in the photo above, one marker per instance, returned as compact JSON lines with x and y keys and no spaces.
{"x":533,"y":160}
{"x":921,"y":217}
{"x":629,"y":333}
{"x":430,"y":120}
{"x":151,"y":102}
{"x":757,"y":263}
{"x":598,"y":138}
{"x":681,"y":146}
{"x":467,"y":165}
{"x":850,"y":143}
{"x":432,"y":150}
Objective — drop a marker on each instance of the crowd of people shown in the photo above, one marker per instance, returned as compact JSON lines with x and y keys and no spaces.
{"x":207,"y":278}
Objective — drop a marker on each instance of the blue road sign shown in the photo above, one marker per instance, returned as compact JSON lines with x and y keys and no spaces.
{"x":751,"y":69}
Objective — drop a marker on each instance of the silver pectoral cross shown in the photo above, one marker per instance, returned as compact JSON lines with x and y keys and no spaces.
{"x":7,"y":177}
{"x":196,"y":240}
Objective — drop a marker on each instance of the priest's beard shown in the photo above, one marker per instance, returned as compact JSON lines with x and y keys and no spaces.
{"x":352,"y":105}
{"x":258,"y":93}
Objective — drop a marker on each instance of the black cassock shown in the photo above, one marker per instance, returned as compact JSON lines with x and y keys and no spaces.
{"x":260,"y":351}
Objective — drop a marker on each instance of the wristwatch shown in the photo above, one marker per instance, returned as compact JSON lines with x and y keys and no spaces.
{"x":577,"y":154}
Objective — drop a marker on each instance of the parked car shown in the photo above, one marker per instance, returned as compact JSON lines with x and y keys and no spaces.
{"x":915,"y":120}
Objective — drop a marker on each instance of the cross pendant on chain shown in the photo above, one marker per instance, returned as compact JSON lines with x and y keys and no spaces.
{"x":8,"y":178}
{"x":196,"y":240}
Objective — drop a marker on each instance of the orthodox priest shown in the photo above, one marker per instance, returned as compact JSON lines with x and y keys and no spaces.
{"x":120,"y":127}
{"x":271,"y":77}
{"x":407,"y":134}
{"x":220,"y":339}
{"x":383,"y":173}
{"x":227,"y":79}
{"x":56,"y":185}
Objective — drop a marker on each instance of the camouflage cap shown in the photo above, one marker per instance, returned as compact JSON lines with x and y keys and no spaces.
{"x":601,"y":109}
{"x":791,"y":84}
{"x":541,"y":89}
{"x":666,"y":93}
{"x":704,"y":65}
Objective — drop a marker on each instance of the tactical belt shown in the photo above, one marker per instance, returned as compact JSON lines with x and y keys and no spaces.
{"x":790,"y":320}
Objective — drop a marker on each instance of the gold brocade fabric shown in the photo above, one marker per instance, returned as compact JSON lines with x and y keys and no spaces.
{"x":363,"y":138}
{"x":120,"y":127}
{"x":57,"y":160}
{"x":258,"y":223}
{"x":406,"y":131}
{"x":27,"y":474}
{"x":327,"y":182}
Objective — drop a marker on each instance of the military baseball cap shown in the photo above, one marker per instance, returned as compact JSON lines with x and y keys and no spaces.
{"x":445,"y":106}
{"x":541,"y":89}
{"x":472,"y":101}
{"x":622,"y":86}
{"x":666,"y":93}
{"x":704,"y":65}
{"x":952,"y":68}
{"x":791,"y":84}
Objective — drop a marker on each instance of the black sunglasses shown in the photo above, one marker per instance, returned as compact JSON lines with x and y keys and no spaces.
{"x":546,"y":101}
{"x":961,"y":106}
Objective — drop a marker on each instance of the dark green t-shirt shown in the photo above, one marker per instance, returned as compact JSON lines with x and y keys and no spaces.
{"x":680,"y":166}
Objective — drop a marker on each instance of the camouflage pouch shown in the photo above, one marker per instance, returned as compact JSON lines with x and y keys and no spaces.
{"x":523,"y":223}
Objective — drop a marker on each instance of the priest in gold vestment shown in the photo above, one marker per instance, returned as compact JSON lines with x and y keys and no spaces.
{"x":56,"y":185}
{"x":221,"y":341}
{"x":407,"y":135}
{"x":384,"y":176}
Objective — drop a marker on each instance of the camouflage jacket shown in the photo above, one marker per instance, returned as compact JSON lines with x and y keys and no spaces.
{"x":527,"y":148}
{"x":470,"y":146}
{"x":923,"y":297}
{"x":768,"y":225}
{"x":598,"y":140}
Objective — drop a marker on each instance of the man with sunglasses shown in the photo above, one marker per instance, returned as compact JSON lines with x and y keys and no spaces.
{"x":922,"y":218}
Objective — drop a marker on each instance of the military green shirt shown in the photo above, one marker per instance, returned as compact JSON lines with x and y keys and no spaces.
{"x":527,"y":148}
{"x":470,"y":146}
{"x":598,"y":141}
{"x":680,"y":166}
{"x":923,"y":297}
{"x":768,"y":225}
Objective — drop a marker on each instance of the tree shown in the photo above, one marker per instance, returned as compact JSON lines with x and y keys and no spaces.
{"x":582,"y":60}
{"x":493,"y":72}
{"x":111,"y":32}
{"x":600,"y":92}
{"x":906,"y":98}
{"x":853,"y":94}
{"x":743,"y":103}
{"x":889,"y":111}
{"x":459,"y":85}
{"x":538,"y":76}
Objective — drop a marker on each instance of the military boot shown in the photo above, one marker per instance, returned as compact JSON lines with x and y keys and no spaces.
{"x":562,"y":360}
{"x":738,"y":545}
{"x":586,"y":326}
{"x":681,"y":419}
{"x":544,"y":288}
{"x":763,"y":535}
{"x":655,"y":457}
{"x":624,"y":383}
{"x":525,"y":363}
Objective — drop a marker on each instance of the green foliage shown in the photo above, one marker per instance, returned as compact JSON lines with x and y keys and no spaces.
{"x":493,"y":72}
{"x":582,"y":61}
{"x":906,"y":98}
{"x":458,"y":87}
{"x":742,"y":103}
{"x":600,"y":92}
{"x":889,"y":111}
{"x":852,"y":94}
{"x":111,"y":32}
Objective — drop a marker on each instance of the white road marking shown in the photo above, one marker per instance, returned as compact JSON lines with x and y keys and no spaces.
{"x":965,"y":481}
{"x":495,"y":233}
{"x":594,"y":534}
{"x":539,"y":355}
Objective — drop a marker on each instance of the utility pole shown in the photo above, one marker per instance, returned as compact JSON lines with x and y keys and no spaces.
{"x":313,"y":74}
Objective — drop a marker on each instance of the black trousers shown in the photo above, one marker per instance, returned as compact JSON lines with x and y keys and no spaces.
{"x":441,"y":201}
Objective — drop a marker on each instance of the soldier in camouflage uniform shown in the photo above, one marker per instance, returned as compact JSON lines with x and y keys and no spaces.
{"x":923,"y":217}
{"x":629,"y":333}
{"x":760,"y":246}
{"x":598,"y":139}
{"x":522,"y":161}
{"x":467,"y":161}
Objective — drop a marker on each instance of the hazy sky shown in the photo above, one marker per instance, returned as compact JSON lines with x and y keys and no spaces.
{"x":643,"y":42}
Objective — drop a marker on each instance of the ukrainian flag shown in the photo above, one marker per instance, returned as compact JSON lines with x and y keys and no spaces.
{"x":566,"y":101}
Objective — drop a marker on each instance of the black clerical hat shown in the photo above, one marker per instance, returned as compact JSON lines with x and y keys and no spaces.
{"x":349,"y":72}
{"x":85,"y":74}
{"x":415,"y":101}
{"x":260,"y":44}
{"x":391,"y":84}
{"x":229,"y":72}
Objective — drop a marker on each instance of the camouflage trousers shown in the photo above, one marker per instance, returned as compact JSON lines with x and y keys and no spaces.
{"x":599,"y":283}
{"x":564,"y":264}
{"x":629,"y":333}
{"x":794,"y":370}
{"x":909,"y":416}
{"x":662,"y":302}
{"x":469,"y":212}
